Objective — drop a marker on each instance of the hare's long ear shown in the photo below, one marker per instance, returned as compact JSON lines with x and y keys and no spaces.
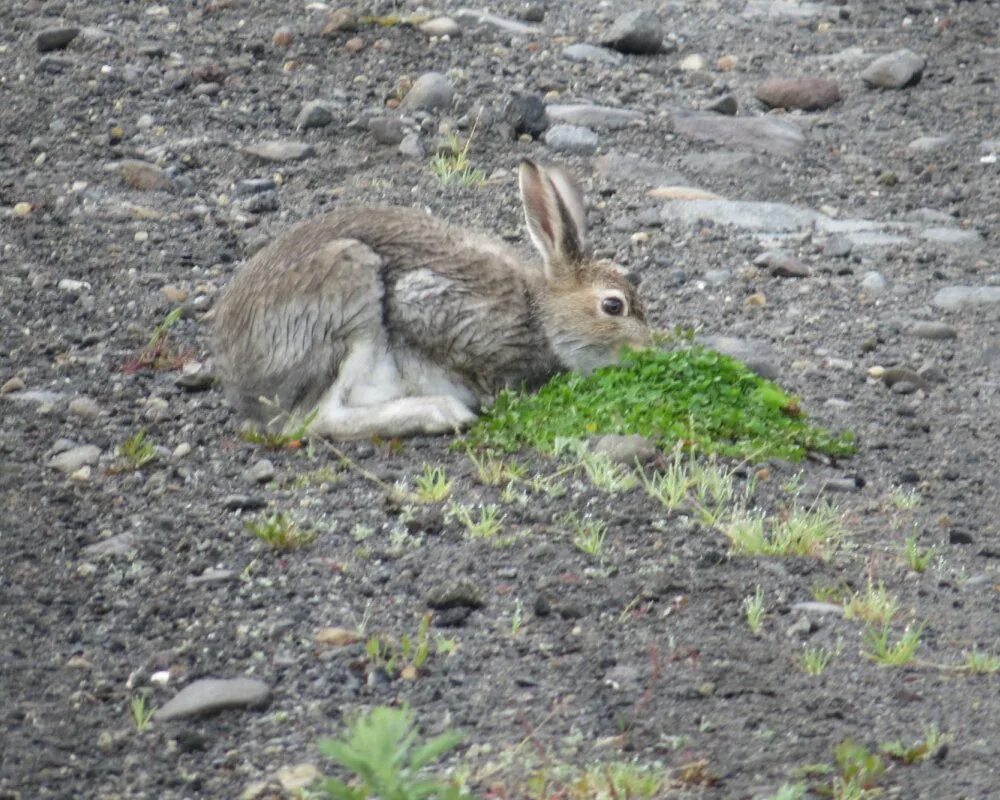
{"x":553,"y":210}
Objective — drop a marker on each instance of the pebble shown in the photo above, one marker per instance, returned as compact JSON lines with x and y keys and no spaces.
{"x":182,"y":450}
{"x":956,"y":298}
{"x":626,"y":450}
{"x":243,"y":502}
{"x":766,"y":217}
{"x":593,"y":116}
{"x":511,"y":26}
{"x":693,"y":63}
{"x":212,"y":576}
{"x":928,"y":144}
{"x":432,"y":91}
{"x":838,"y":246}
{"x":637,"y":32}
{"x":243,"y":188}
{"x":526,"y":114}
{"x":280,"y":151}
{"x":340,"y":19}
{"x":55,"y":38}
{"x":933,"y":330}
{"x":873,"y":284}
{"x":572,"y":139}
{"x":681,"y":193}
{"x":411,"y":146}
{"x":71,"y":460}
{"x":807,"y":94}
{"x":12,"y":385}
{"x":144,"y":176}
{"x":817,"y":607}
{"x":387,"y":130}
{"x":261,"y":472}
{"x":588,"y":53}
{"x":461,"y":593}
{"x":441,"y":26}
{"x":119,"y":545}
{"x":84,"y":407}
{"x":314,"y":114}
{"x":782,"y":264}
{"x":209,"y":695}
{"x":895,"y":71}
{"x":727,"y":105}
{"x":759,"y":134}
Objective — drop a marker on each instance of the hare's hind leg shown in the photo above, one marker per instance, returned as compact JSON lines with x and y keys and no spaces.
{"x":368,"y":399}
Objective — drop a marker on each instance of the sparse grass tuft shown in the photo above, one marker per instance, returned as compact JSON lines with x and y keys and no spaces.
{"x":814,"y":661}
{"x":694,"y":395}
{"x":279,"y":532}
{"x":137,"y":451}
{"x":588,"y":534}
{"x":433,"y":485}
{"x":981,"y":663}
{"x":887,"y":654}
{"x":142,"y":713}
{"x":802,"y":532}
{"x":917,"y":752}
{"x":486,"y":525}
{"x":875,"y":605}
{"x":858,"y":771}
{"x":157,"y":354}
{"x":493,"y":470}
{"x":753,"y":606}
{"x":916,"y":559}
{"x":790,"y":791}
{"x":382,"y":753}
{"x":613,"y":781}
{"x":453,"y":165}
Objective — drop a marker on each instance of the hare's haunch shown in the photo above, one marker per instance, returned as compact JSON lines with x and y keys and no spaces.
{"x":389,"y":322}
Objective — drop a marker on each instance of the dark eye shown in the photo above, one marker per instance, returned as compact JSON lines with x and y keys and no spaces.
{"x":613,"y":306}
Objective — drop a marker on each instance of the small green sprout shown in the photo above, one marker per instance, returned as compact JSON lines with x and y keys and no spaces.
{"x":433,"y":485}
{"x":886,"y":654}
{"x":137,"y":451}
{"x":279,"y":532}
{"x":142,"y":712}
{"x":753,"y":606}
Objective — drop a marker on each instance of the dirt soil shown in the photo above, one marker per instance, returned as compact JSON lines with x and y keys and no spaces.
{"x":118,"y":583}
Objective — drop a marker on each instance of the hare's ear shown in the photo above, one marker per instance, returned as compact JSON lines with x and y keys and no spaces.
{"x":553,"y":210}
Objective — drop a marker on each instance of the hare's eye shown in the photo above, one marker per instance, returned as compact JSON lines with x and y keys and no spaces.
{"x":613,"y":306}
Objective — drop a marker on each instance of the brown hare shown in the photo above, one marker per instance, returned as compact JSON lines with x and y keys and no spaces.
{"x":388,"y":322}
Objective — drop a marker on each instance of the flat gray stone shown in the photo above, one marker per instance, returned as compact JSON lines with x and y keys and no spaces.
{"x":315,"y":114}
{"x":758,"y":134}
{"x":55,"y":38}
{"x":432,"y":91}
{"x":626,"y":450}
{"x":873,"y":284}
{"x":209,"y":695}
{"x":589,"y":53}
{"x":119,"y":545}
{"x":572,"y":139}
{"x":895,"y":70}
{"x":637,"y":32}
{"x":280,"y":151}
{"x":759,"y":217}
{"x":938,"y":331}
{"x":757,"y":355}
{"x":960,"y":237}
{"x":928,"y":144}
{"x":955,"y":298}
{"x":628,"y":168}
{"x":69,"y":461}
{"x":472,"y":16}
{"x":593,"y":116}
{"x":782,"y":9}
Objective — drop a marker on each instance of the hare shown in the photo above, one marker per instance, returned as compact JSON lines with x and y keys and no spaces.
{"x":388,"y":322}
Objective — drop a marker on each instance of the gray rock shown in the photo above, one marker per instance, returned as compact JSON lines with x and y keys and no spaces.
{"x":619,"y":168}
{"x":260,"y":472}
{"x":837,"y":246}
{"x":144,"y":176}
{"x":209,"y":695}
{"x":243,"y":502}
{"x":782,"y":9}
{"x":782,"y":264}
{"x":761,"y":217}
{"x":895,"y":71}
{"x":259,"y":203}
{"x":280,"y":151}
{"x":755,"y":354}
{"x":314,"y":114}
{"x":588,"y":53}
{"x":55,"y":38}
{"x":758,"y":134}
{"x":387,"y":130}
{"x":637,"y":32}
{"x":726,"y":105}
{"x":717,"y":277}
{"x":873,"y":284}
{"x":249,"y":186}
{"x":571,"y":139}
{"x":55,"y":65}
{"x":525,"y":113}
{"x":933,"y":330}
{"x":411,"y":146}
{"x":461,"y":593}
{"x":817,"y":607}
{"x":626,"y":450}
{"x":120,"y":545}
{"x":470,"y":16}
{"x":928,"y":144}
{"x":432,"y":91}
{"x":84,"y":407}
{"x":441,"y":26}
{"x":69,"y":461}
{"x":808,"y":94}
{"x":212,"y":576}
{"x":955,"y":298}
{"x":592,"y":116}
{"x":958,"y":237}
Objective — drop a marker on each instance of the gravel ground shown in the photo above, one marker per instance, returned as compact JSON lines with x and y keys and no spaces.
{"x":850,"y":250}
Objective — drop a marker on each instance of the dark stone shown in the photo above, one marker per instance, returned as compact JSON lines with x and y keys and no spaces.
{"x":525,"y":113}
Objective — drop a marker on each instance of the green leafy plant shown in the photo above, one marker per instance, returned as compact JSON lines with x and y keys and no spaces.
{"x":387,"y":762}
{"x":858,"y":771}
{"x":917,"y":752}
{"x":137,"y":451}
{"x":588,"y":534}
{"x":609,"y":781}
{"x":874,"y":605}
{"x":887,"y":654}
{"x":142,"y":713}
{"x":288,"y":437}
{"x":279,"y":532}
{"x":753,"y":607}
{"x":981,"y":663}
{"x":487,"y":525}
{"x":407,"y":656}
{"x":916,"y":558}
{"x":693,"y":395}
{"x":814,"y":661}
{"x":801,"y":532}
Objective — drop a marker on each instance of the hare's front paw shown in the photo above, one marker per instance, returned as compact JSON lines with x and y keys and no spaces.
{"x":438,"y":414}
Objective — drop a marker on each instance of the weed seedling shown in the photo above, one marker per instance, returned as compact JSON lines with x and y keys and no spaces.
{"x":606,"y":475}
{"x":916,"y":559}
{"x":288,"y":437}
{"x":803,"y":532}
{"x":492,"y":470}
{"x":814,"y":661}
{"x":382,"y":752}
{"x":790,"y":791}
{"x":858,"y":771}
{"x":754,"y":608}
{"x":920,"y":751}
{"x":137,"y":451}
{"x":981,"y":663}
{"x":157,"y":354}
{"x":142,"y":712}
{"x":516,"y":619}
{"x":588,"y":534}
{"x":875,"y":605}
{"x":433,"y":485}
{"x":452,"y":165}
{"x":279,"y":532}
{"x":488,"y":524}
{"x":886,"y":654}
{"x":670,"y":487}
